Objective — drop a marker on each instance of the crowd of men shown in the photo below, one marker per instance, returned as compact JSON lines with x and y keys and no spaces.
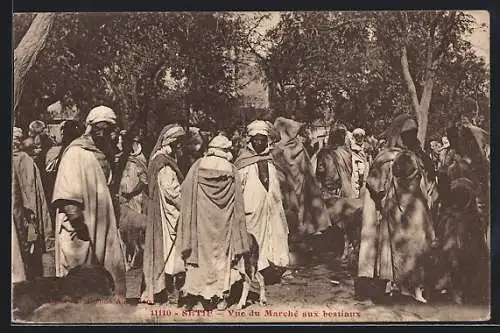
{"x":183,"y":215}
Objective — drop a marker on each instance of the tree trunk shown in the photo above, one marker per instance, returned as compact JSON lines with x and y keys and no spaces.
{"x":420,"y":108}
{"x":423,"y":111}
{"x":28,"y":49}
{"x":408,"y":79}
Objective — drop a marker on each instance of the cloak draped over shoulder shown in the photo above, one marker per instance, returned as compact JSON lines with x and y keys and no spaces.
{"x":464,"y":254}
{"x":211,"y":230}
{"x":32,"y":194}
{"x":248,"y":157}
{"x":81,"y":179}
{"x":394,"y":245}
{"x":265,"y":216}
{"x":334,"y":171}
{"x":304,"y":206}
{"x":29,"y":196}
{"x":154,"y":256}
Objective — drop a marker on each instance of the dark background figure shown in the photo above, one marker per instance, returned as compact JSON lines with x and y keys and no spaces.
{"x":334,"y":169}
{"x":29,"y":209}
{"x":466,"y":159}
{"x":462,"y":260}
{"x":41,"y":144}
{"x":133,"y":185}
{"x":194,"y":146}
{"x":411,"y":141}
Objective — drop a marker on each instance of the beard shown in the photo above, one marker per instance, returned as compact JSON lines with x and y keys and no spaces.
{"x":105,"y":144}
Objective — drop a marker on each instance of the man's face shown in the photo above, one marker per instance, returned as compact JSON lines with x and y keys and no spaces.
{"x":359,"y":139}
{"x":464,"y":121}
{"x":177,"y":148}
{"x":434,"y":146}
{"x":28,"y":146}
{"x":136,"y":146}
{"x":259,"y":143}
{"x":101,"y":134}
{"x":410,"y":139}
{"x":37,"y":145}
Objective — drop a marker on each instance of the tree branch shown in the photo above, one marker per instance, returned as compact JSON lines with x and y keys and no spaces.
{"x":408,"y":79}
{"x":430,"y":51}
{"x":405,"y":24}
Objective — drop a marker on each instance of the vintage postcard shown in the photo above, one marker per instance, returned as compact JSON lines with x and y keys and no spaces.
{"x":251,"y":167}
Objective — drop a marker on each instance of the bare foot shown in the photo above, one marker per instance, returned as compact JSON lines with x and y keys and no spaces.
{"x":222,"y":305}
{"x":419,"y":296}
{"x":145,"y":299}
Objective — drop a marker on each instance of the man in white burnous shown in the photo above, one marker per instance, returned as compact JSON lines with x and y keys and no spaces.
{"x":265,"y":216}
{"x":86,"y":226}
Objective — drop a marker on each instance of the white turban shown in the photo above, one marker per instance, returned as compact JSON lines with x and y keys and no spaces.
{"x":258,"y":127}
{"x":218,"y":147}
{"x":17,"y":135}
{"x":101,"y":113}
{"x":220,"y":142}
{"x":36,"y":127}
{"x":359,"y":132}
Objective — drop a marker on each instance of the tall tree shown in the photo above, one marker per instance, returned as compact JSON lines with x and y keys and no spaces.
{"x":181,"y":67}
{"x":27,"y":51}
{"x":358,"y":67}
{"x":439,"y":37}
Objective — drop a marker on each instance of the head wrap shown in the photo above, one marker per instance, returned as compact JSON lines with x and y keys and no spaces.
{"x":172,"y":134}
{"x":36,"y":127}
{"x":220,"y":142}
{"x":358,"y":132}
{"x":338,"y":136}
{"x":434,"y":144}
{"x":17,"y":136}
{"x":408,"y":125}
{"x":195,"y":140}
{"x":258,"y":127}
{"x":287,"y":128}
{"x":101,"y":113}
{"x":98,"y":114}
{"x":168,"y":135}
{"x":218,"y":146}
{"x":400,"y":124}
{"x":358,"y":136}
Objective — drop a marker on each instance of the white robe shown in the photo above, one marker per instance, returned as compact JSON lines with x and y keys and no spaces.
{"x":170,"y":190}
{"x":80,"y":178}
{"x":265,"y":216}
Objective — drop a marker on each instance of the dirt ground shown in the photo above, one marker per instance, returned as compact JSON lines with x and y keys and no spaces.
{"x":322,"y":290}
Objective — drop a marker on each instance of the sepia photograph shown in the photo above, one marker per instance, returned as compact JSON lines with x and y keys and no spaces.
{"x":250,"y":167}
